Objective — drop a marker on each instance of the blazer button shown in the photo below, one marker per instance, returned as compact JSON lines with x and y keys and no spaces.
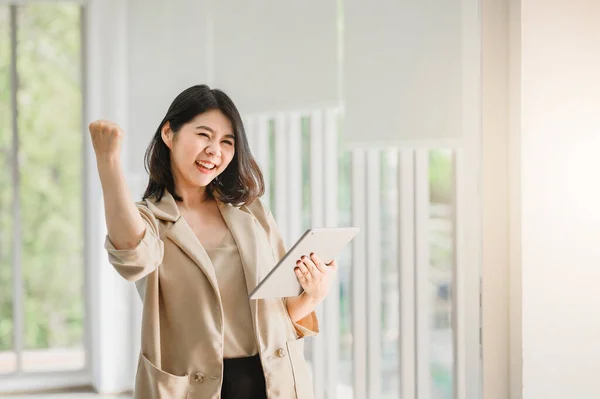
{"x":280,"y":352}
{"x":199,"y":377}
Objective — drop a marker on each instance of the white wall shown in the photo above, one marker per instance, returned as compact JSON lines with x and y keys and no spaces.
{"x":166,"y":48}
{"x":261,"y":54}
{"x":515,"y":310}
{"x":560,"y":145}
{"x":405,"y":62}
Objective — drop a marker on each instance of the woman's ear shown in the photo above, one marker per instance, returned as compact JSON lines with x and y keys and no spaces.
{"x":167,"y":135}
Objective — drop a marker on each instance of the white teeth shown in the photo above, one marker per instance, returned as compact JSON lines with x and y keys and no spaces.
{"x":206,"y":165}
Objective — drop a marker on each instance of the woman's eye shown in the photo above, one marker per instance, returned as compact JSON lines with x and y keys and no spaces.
{"x":203,"y":134}
{"x":228,"y":142}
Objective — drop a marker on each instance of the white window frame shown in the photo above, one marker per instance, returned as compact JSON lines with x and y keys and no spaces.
{"x":501,"y":284}
{"x":114,"y":309}
{"x":413,"y":195}
{"x":20,"y":380}
{"x":501,"y":181}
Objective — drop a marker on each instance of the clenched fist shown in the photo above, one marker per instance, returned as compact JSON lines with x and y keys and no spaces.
{"x":106,"y":138}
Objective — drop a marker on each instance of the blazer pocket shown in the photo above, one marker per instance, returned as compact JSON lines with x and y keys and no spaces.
{"x":302,"y":375}
{"x":154,"y":383}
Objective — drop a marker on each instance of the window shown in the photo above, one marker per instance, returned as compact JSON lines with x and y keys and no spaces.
{"x":7,"y":356}
{"x":373,"y":275}
{"x":371,"y":184}
{"x":41,"y":226}
{"x":441,"y":272}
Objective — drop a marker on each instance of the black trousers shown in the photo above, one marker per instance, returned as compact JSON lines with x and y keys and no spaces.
{"x":243,"y":378}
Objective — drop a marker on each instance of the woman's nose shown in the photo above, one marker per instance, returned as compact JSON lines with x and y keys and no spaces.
{"x":213,"y":149}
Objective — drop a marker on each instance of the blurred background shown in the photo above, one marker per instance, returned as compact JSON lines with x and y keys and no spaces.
{"x":62,"y":64}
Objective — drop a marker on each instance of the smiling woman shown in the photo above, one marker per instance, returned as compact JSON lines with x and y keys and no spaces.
{"x":197,"y":244}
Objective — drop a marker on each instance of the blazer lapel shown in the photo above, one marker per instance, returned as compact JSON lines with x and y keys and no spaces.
{"x":183,"y":236}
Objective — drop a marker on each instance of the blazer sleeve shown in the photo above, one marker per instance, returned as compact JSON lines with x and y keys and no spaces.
{"x":309,"y":325}
{"x":135,"y":263}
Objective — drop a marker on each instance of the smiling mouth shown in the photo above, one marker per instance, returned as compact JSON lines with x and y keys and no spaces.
{"x":205,"y":167}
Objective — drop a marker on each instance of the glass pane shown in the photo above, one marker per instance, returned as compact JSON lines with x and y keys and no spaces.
{"x":50,"y":134}
{"x":306,"y":181}
{"x":306,"y":206}
{"x":390,"y":294}
{"x":345,"y":374}
{"x":441,"y":236}
{"x":7,"y":357}
{"x":272,"y":179}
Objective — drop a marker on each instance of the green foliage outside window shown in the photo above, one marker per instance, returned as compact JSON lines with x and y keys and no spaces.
{"x":50,"y":169}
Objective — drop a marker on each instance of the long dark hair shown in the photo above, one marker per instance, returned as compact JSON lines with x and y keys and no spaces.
{"x":240,"y":183}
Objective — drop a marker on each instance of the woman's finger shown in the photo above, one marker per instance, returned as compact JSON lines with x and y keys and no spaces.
{"x":301,"y":278}
{"x":333,"y":264}
{"x":304,"y":270}
{"x":310,"y":266}
{"x":320,"y":265}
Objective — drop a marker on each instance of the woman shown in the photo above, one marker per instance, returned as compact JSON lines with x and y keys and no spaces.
{"x":196,"y":245}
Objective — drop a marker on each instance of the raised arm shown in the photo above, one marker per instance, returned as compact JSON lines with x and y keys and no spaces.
{"x":123,"y":220}
{"x":133,"y":244}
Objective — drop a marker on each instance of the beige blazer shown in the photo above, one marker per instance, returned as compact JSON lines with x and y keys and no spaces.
{"x":182,"y":324}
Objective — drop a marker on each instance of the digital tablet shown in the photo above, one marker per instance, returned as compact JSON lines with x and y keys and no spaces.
{"x":326,"y":243}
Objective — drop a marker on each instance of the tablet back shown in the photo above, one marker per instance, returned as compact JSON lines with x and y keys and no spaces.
{"x":326,"y":243}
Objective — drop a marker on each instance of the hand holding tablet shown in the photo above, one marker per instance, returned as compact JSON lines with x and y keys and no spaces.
{"x":283,"y":280}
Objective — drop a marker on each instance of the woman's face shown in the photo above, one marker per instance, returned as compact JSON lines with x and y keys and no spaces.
{"x":201,"y":150}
